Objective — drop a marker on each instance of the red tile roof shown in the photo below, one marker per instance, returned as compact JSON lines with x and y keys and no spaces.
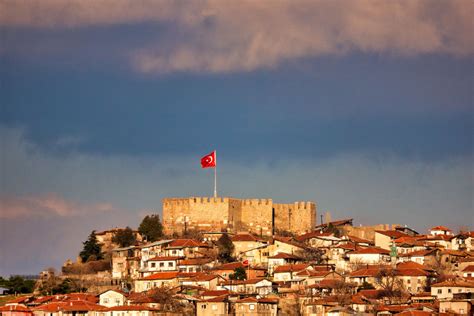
{"x":230,"y":266}
{"x":217,"y":299}
{"x":244,"y":237}
{"x":165,"y":258}
{"x":162,"y":276}
{"x":291,"y":267}
{"x":215,"y":292}
{"x":15,"y":308}
{"x":131,"y":308}
{"x":369,"y":250}
{"x":312,"y":234}
{"x":469,"y":268}
{"x":183,"y":243}
{"x":454,"y":283}
{"x":412,"y":272}
{"x":392,"y":233}
{"x":194,"y":261}
{"x":412,"y":265}
{"x":365,"y":272}
{"x":443,"y":228}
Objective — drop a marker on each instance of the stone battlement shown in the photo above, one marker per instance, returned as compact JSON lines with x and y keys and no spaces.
{"x":257,"y":202}
{"x":260,"y":216}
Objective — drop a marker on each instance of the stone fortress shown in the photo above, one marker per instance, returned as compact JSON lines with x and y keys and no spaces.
{"x":259,"y":216}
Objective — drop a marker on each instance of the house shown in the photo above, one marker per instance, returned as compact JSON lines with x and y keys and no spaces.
{"x":226,"y":269}
{"x":157,"y":280}
{"x":125,"y":262}
{"x":194,"y":264}
{"x":281,"y":258}
{"x":468,"y":272}
{"x":463,"y":241}
{"x":447,"y":289}
{"x":244,"y":242}
{"x":441,"y":230}
{"x":413,"y":280}
{"x":160,"y":264}
{"x":365,"y":275}
{"x":189,"y":248}
{"x":213,"y":306}
{"x":130,"y":310}
{"x":112,"y":298}
{"x":251,"y":306}
{"x":15,"y":310}
{"x":257,"y":286}
{"x":368,"y":255}
{"x":385,"y":238}
{"x":318,"y":239}
{"x":286,"y":245}
{"x":457,"y":306}
{"x":68,"y":308}
{"x":203,"y":280}
{"x":427,"y":256}
{"x":289,"y":272}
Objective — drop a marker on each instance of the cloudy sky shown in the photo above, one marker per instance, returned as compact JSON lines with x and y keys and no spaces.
{"x":365,"y":107}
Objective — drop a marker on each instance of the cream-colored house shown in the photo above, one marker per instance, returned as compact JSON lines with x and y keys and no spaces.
{"x":213,"y":306}
{"x":157,"y":280}
{"x":256,"y":307}
{"x":368,"y":255}
{"x":445,"y":290}
{"x":112,"y":298}
{"x":160,"y":264}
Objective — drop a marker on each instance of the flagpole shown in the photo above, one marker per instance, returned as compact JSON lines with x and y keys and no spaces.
{"x":215,"y":174}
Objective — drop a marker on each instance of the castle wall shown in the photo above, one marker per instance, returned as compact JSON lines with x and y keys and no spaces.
{"x":200,"y":213}
{"x":298,"y":217}
{"x":260,"y":216}
{"x":257,"y":216}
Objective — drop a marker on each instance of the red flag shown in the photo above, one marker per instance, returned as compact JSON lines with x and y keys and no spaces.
{"x":245,"y":263}
{"x":209,"y":161}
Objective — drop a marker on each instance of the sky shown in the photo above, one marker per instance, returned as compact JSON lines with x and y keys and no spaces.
{"x":365,"y":107}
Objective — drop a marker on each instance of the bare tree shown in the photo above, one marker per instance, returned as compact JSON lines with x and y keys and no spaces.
{"x":392,"y":286}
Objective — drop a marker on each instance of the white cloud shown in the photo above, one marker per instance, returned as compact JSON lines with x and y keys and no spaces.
{"x":221,"y":36}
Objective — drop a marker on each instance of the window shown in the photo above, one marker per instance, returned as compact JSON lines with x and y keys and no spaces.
{"x":449,"y":290}
{"x":440,"y":291}
{"x":117,"y":301}
{"x":170,"y":264}
{"x":203,"y":306}
{"x":162,"y":264}
{"x":251,"y":307}
{"x":408,"y":281}
{"x":106,"y":300}
{"x":153,"y":264}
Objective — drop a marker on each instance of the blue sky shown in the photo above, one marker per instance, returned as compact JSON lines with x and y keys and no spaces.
{"x":368,"y":111}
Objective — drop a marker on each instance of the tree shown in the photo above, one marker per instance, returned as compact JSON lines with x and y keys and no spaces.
{"x":165,"y":297}
{"x":226,"y":248}
{"x":91,"y":249}
{"x":124,"y":237}
{"x":18,"y":284}
{"x":392,"y":286}
{"x":239,"y":274}
{"x":151,"y":227}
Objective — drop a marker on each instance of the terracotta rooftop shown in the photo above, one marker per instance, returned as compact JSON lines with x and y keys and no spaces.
{"x":131,"y":308}
{"x":313,"y":234}
{"x":244,"y":237}
{"x":162,"y":276}
{"x":291,"y":267}
{"x":392,"y":233}
{"x":230,"y":266}
{"x":469,"y":268}
{"x":183,"y":243}
{"x":215,"y":292}
{"x":443,"y":228}
{"x":370,"y":250}
{"x":165,"y":258}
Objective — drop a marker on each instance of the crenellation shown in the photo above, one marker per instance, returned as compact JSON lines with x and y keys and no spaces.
{"x":260,"y":216}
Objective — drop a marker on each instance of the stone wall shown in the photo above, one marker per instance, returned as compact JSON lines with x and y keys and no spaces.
{"x":298,"y":217}
{"x":260,"y":216}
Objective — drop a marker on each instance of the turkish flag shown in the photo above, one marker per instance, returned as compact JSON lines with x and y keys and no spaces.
{"x":245,"y":263}
{"x":209,"y":161}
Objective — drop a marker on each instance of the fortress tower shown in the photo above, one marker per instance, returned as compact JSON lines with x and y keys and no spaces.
{"x":260,"y":216}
